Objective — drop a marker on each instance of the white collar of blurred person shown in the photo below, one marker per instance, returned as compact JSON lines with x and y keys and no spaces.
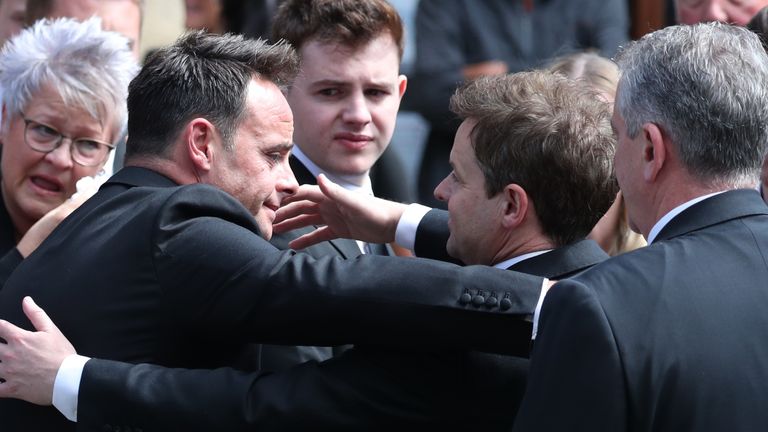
{"x":361,"y":184}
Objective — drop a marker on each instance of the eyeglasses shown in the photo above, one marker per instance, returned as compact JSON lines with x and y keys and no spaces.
{"x":45,"y":139}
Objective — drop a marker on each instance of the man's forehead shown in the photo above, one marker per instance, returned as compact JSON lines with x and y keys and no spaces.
{"x":383,"y":43}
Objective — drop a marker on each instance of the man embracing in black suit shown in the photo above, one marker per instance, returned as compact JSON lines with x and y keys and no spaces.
{"x":532,"y":172}
{"x":169,"y":263}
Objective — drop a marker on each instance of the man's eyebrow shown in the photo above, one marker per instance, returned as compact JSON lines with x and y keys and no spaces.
{"x":282,"y":147}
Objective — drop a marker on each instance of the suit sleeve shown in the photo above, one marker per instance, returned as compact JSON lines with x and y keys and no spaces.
{"x":432,"y":237}
{"x":8,"y":264}
{"x":439,"y":59}
{"x":223,"y":282}
{"x":576,"y":381}
{"x":357,"y":391}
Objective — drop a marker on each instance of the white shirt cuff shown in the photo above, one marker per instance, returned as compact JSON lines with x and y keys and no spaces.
{"x":405,"y":234}
{"x":544,"y":288}
{"x":66,"y":387}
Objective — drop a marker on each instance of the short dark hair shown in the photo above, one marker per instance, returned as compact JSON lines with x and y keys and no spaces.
{"x":549,"y":135}
{"x":349,"y":22}
{"x":200,"y":75}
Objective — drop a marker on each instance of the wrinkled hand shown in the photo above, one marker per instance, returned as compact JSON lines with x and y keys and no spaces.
{"x":344,"y":214}
{"x":29,"y":361}
{"x":86,"y":187}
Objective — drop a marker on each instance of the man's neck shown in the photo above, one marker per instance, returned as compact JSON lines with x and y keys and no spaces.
{"x":521,"y":246}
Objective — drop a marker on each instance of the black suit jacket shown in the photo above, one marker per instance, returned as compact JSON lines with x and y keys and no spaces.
{"x":148,"y":271}
{"x":280,"y":357}
{"x":504,"y":377}
{"x":671,"y":337}
{"x":9,"y":255}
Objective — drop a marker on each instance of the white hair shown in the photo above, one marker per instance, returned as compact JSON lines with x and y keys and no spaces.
{"x":90,"y":67}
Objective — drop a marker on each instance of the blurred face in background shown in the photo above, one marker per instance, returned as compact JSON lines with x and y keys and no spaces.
{"x":203,"y":14}
{"x":345,"y":103}
{"x":119,"y":16}
{"x":11,"y":18}
{"x":728,"y":11}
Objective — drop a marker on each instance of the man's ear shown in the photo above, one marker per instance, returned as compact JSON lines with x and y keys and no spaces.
{"x":514,"y":200}
{"x":655,"y":148}
{"x":198,"y":137}
{"x":402,"y":84}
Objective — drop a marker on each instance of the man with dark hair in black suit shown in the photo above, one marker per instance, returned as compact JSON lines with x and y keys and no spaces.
{"x":169,"y":263}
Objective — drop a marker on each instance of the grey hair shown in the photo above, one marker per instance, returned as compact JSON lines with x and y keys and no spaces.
{"x":707,"y":87}
{"x":91,"y":68}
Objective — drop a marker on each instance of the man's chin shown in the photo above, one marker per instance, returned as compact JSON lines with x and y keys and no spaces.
{"x":265,"y":228}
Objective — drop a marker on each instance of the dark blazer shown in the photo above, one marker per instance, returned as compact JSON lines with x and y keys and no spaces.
{"x":148,"y":271}
{"x":671,"y":337}
{"x":279,"y":357}
{"x":504,"y":377}
{"x":9,"y":255}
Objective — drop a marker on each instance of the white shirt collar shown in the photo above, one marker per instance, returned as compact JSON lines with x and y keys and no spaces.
{"x":347,"y":182}
{"x":674,"y":212}
{"x":512,"y":261}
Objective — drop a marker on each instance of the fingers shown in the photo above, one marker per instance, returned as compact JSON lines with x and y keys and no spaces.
{"x":297,"y":222}
{"x":319,"y":235}
{"x":305,"y":193}
{"x":37,"y":316}
{"x":295,"y":209}
{"x":9,"y":332}
{"x":332,"y":190}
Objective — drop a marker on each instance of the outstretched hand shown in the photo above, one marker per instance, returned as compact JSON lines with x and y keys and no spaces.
{"x":343,"y":214}
{"x":29,"y":361}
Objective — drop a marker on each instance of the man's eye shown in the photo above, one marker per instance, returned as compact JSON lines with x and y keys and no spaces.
{"x":330,"y":92}
{"x":275,"y":158}
{"x":376,"y":92}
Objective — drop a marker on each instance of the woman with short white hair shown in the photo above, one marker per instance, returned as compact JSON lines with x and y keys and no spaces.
{"x":65,"y":85}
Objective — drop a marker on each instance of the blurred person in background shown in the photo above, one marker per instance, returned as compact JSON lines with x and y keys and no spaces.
{"x":65,"y":86}
{"x":459,"y":40}
{"x":737,"y":12}
{"x":612,"y":232}
{"x":11,"y":18}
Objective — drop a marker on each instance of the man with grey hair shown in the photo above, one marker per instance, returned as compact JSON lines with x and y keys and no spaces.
{"x":673,"y":336}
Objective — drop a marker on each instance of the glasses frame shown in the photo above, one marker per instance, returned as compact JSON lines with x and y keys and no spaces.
{"x":58,"y":142}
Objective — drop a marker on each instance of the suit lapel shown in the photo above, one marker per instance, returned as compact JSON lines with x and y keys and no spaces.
{"x":715,"y":210}
{"x":564,"y":261}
